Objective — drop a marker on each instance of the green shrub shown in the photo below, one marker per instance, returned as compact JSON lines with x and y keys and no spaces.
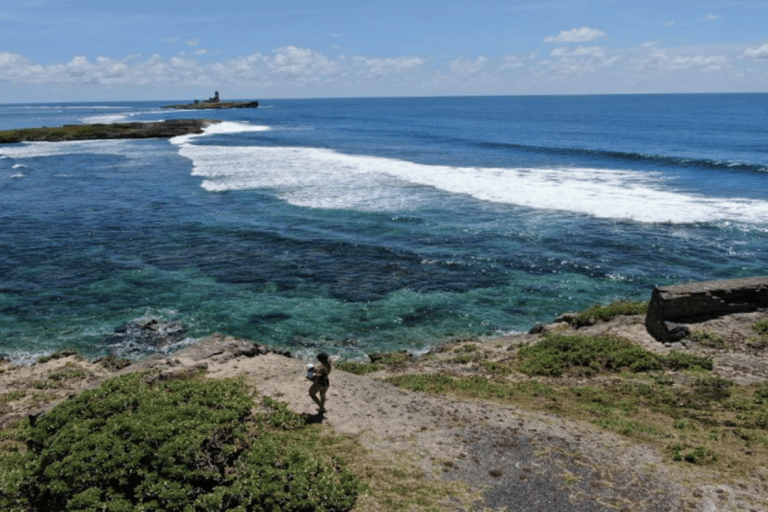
{"x":58,"y":355}
{"x":708,"y":339}
{"x":681,"y":361}
{"x":496,"y":367}
{"x":137,"y":443}
{"x":607,"y":312}
{"x":357,"y":368}
{"x":588,"y":355}
{"x":713,"y":388}
{"x":556,"y":354}
{"x":692,"y":454}
{"x":760,"y":395}
{"x":761,"y":327}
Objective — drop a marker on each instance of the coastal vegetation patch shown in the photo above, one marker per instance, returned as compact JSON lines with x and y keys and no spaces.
{"x":137,"y":130}
{"x":709,"y":339}
{"x":139,"y":442}
{"x":358,"y":368}
{"x":608,"y":312}
{"x":585,"y":355}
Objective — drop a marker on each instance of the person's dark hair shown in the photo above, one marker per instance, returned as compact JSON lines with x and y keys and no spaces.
{"x":323,"y":357}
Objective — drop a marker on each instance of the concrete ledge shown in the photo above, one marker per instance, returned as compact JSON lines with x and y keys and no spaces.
{"x":699,"y":301}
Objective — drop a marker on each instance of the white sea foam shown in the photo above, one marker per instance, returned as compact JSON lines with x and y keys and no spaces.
{"x":105,"y":119}
{"x":18,"y":176}
{"x":321,"y":178}
{"x":38,"y":149}
{"x":18,"y":166}
{"x":219,"y":128}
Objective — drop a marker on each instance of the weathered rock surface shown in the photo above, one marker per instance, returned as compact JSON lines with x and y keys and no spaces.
{"x":217,"y":348}
{"x":671,"y":306}
{"x":148,"y":130}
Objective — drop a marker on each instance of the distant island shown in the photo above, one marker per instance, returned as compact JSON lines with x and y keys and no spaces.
{"x":215,"y":102}
{"x":137,"y":130}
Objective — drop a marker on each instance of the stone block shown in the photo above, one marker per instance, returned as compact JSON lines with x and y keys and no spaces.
{"x":699,"y":301}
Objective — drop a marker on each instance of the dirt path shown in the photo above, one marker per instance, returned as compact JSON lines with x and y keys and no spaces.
{"x":521,"y":460}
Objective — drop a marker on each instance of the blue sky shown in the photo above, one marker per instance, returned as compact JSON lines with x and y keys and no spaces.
{"x":77,"y":50}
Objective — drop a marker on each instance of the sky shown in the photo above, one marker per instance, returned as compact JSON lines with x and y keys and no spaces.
{"x":104,"y":50}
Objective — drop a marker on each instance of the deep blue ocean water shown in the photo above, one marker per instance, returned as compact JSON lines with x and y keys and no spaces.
{"x":361,"y":225}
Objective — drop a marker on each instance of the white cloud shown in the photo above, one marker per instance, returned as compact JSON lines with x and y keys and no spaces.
{"x":192,"y":42}
{"x":464,"y":66}
{"x":758,"y":52}
{"x":201,"y":51}
{"x":292,"y":71}
{"x":386,"y":66}
{"x":595,"y":52}
{"x":576,"y":35}
{"x":710,"y":17}
{"x":518,"y":61}
{"x":672,"y":60}
{"x":300,"y":62}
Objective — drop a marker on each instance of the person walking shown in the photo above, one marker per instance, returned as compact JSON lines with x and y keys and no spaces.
{"x":320,"y":382}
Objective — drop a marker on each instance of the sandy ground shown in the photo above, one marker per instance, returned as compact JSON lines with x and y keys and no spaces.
{"x":517,"y":459}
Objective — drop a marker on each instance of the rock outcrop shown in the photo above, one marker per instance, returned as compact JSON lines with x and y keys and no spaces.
{"x":138,"y":130}
{"x":671,"y":306}
{"x":216,"y":348}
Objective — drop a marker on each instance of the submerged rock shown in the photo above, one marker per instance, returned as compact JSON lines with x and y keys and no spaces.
{"x":138,"y":338}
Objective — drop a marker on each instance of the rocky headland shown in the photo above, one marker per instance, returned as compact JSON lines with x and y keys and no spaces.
{"x":138,"y":130}
{"x":511,"y":423}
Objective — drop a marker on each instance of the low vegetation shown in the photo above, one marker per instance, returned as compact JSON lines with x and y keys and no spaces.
{"x":358,"y":368}
{"x":604,"y":313}
{"x":67,"y":132}
{"x":588,"y":355}
{"x":138,"y":443}
{"x":709,"y":339}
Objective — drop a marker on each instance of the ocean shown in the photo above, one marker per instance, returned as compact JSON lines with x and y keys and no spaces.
{"x":364,"y":225}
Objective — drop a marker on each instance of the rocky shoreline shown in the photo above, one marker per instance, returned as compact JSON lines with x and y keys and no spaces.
{"x":138,"y":130}
{"x":527,"y":451}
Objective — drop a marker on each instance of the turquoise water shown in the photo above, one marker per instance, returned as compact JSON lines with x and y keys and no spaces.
{"x":363,"y":225}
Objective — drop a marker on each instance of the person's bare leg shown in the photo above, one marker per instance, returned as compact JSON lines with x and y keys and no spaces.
{"x":322,"y":399}
{"x":313,"y":395}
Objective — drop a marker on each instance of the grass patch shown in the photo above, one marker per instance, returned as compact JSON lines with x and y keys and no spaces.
{"x":604,"y":313}
{"x":709,"y":339}
{"x":13,"y":396}
{"x":67,"y":372}
{"x":761,"y":330}
{"x":463,"y":359}
{"x":558,"y":354}
{"x":58,"y":355}
{"x":496,"y":367}
{"x":761,"y":327}
{"x":358,"y":368}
